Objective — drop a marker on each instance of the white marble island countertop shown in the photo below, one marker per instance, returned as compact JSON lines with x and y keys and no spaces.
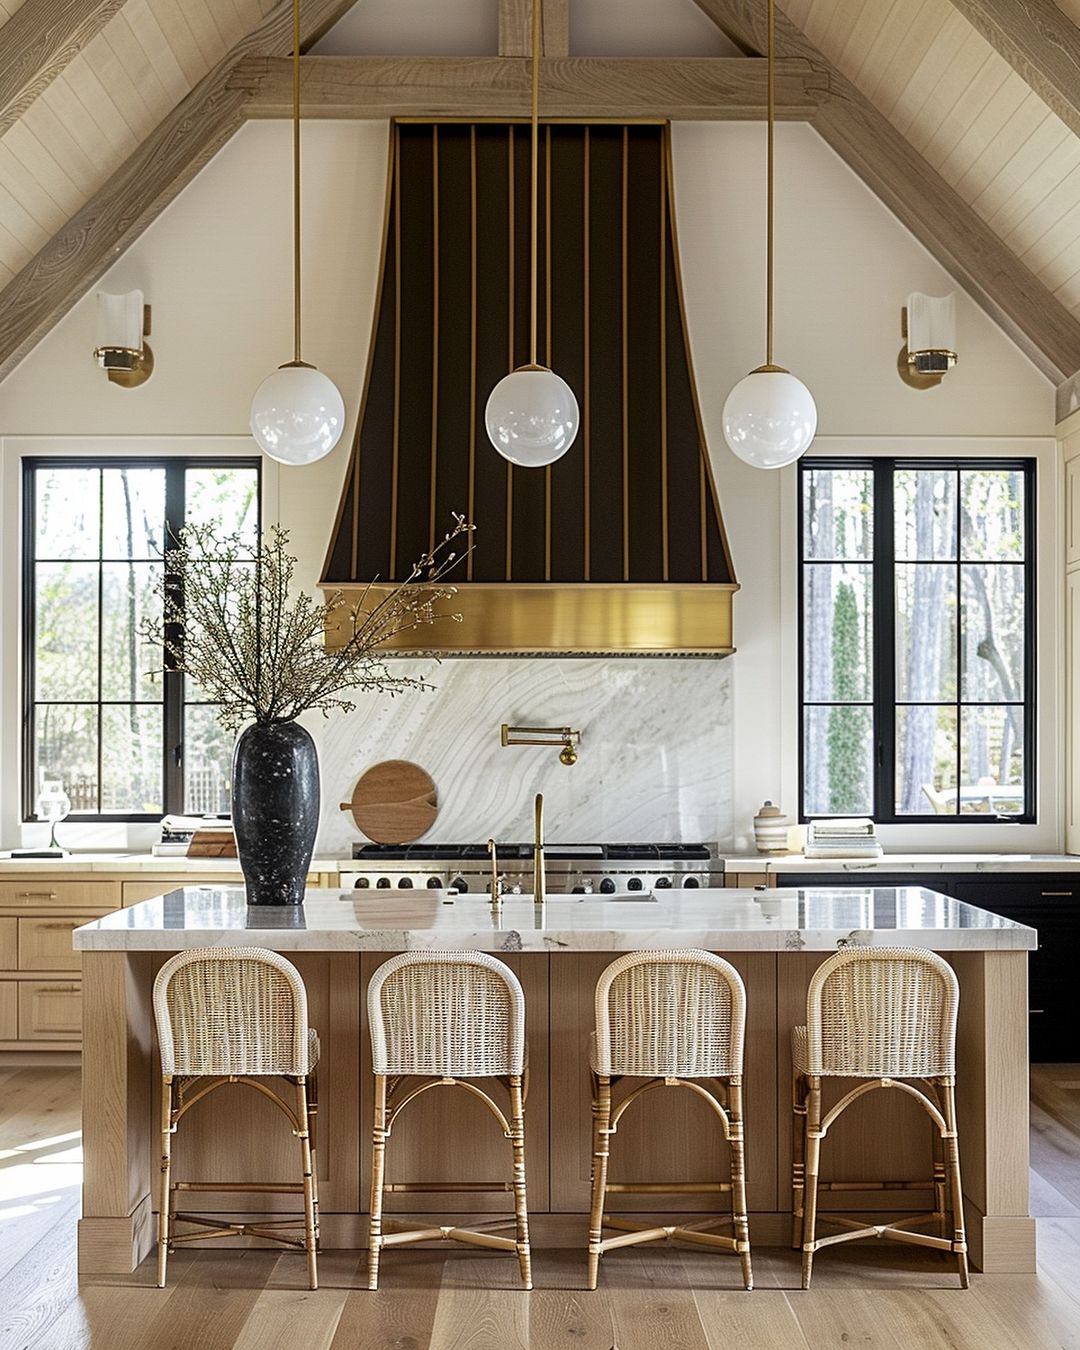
{"x":816,"y":919}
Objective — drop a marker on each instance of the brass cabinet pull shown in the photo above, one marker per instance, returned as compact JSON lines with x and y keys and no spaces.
{"x":36,"y":895}
{"x":1055,"y":892}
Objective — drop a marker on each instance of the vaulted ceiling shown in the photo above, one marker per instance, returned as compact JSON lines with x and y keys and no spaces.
{"x":963,"y":117}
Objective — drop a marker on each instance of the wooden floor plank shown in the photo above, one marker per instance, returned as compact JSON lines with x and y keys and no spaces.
{"x":283,"y":1319}
{"x":42,"y":1284}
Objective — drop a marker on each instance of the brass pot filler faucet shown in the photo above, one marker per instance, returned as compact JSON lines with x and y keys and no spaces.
{"x":568,"y":738}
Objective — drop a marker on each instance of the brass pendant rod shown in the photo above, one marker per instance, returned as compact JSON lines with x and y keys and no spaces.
{"x":769,"y":187}
{"x":536,"y":31}
{"x":296,"y":182}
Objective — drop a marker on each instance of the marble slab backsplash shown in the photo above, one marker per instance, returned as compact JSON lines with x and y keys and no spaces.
{"x":654,"y":763}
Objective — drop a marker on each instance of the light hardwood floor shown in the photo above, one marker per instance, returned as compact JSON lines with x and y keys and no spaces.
{"x":655,"y":1298}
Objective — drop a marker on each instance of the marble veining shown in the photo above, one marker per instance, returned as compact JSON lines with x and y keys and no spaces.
{"x":654,"y":761}
{"x":718,"y":920}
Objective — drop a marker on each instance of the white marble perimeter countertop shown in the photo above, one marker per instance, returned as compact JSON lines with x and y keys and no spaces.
{"x":816,"y":919}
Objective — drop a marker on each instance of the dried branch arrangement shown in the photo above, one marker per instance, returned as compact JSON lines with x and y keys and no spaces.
{"x":231,"y":622}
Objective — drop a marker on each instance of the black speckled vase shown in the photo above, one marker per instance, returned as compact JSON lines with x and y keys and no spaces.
{"x":275,"y":809}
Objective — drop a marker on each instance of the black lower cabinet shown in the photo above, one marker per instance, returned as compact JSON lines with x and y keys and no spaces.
{"x":1047,"y":902}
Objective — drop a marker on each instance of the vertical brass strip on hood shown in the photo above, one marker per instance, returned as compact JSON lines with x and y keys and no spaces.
{"x":586,"y":412}
{"x":471,"y":513}
{"x":434,"y":480}
{"x":614,"y":322}
{"x":510,"y":344}
{"x":392,"y":565}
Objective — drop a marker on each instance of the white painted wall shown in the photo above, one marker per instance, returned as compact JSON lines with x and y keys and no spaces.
{"x":215,"y":267}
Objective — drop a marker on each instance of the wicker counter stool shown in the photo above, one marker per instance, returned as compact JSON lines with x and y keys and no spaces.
{"x":444,"y":1018}
{"x":886,"y":1014}
{"x":674,"y":1018}
{"x":236,"y":1015}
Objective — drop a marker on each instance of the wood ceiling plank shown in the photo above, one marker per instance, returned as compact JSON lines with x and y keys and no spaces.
{"x":38,"y":43}
{"x":877,"y":28}
{"x":897,"y":51}
{"x":921,"y":199}
{"x":971,"y":104}
{"x":35,"y":198}
{"x":129,"y":65}
{"x":44,"y":168}
{"x":936,"y":67}
{"x":1001,"y":110}
{"x":903,"y":81}
{"x":148,"y":33}
{"x":114,"y":135}
{"x":515,"y":28}
{"x":704,"y":88}
{"x":118,"y":211}
{"x":1012,"y":136}
{"x":1043,"y":232}
{"x":1040,"y":42}
{"x":1033,"y":173}
{"x":56,"y":141}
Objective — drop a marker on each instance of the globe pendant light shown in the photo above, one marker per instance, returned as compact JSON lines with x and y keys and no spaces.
{"x":297,"y":414}
{"x":770,"y":417}
{"x":532,"y":415}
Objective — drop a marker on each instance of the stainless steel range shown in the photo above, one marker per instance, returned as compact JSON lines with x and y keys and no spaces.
{"x":579,"y":869}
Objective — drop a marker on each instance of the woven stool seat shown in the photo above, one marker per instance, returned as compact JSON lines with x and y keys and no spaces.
{"x":236,"y":1015}
{"x":672,"y":1018}
{"x":445,"y":1018}
{"x":887,"y":1016}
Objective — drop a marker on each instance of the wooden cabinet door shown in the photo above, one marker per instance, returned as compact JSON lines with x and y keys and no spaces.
{"x":9,"y":1010}
{"x":9,"y":944}
{"x":47,"y":892}
{"x":50,"y":1010}
{"x":45,"y":944}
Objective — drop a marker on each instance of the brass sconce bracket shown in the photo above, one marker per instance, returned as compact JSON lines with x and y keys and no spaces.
{"x":128,"y":366}
{"x":567,"y":737}
{"x":907,"y":362}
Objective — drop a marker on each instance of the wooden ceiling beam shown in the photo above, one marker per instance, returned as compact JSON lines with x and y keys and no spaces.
{"x":1040,"y":43}
{"x":136,"y":194}
{"x":515,"y":28}
{"x":38,"y":42}
{"x":920,"y":198}
{"x":577,"y":87}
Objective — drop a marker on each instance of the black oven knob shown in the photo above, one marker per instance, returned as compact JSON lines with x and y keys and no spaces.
{"x":405,"y":884}
{"x":361,"y":884}
{"x":634,"y":884}
{"x":691,"y":884}
{"x":460,"y":884}
{"x":434,"y":883}
{"x":578,"y":890}
{"x":663,"y":884}
{"x":383,"y":883}
{"x":607,"y":886}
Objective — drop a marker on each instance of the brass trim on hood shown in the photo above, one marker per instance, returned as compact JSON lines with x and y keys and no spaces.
{"x":566,"y":619}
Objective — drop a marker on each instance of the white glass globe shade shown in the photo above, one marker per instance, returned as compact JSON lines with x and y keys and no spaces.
{"x":769,"y":419}
{"x":297,"y":415}
{"x":532,"y":417}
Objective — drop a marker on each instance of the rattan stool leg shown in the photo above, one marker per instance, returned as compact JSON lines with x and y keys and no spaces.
{"x":952,"y":1155}
{"x":813,"y":1162}
{"x":309,"y":1188}
{"x":378,"y":1170}
{"x":601,"y":1147}
{"x":938,"y":1182}
{"x":312,"y":1118}
{"x":164,"y":1189}
{"x":736,"y":1139}
{"x":521,"y":1207}
{"x":798,"y":1156}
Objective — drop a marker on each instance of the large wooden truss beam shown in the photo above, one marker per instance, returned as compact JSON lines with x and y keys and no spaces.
{"x":577,"y":88}
{"x":1040,"y":43}
{"x":515,"y":28}
{"x":920,"y":198}
{"x":137,"y":193}
{"x":38,"y":42}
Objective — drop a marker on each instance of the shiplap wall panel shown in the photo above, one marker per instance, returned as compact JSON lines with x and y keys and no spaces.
{"x":964,"y":108}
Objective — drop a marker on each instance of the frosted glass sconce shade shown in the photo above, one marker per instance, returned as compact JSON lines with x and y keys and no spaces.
{"x":297,"y":415}
{"x":931,"y":333}
{"x":532,"y":417}
{"x":769,"y":418}
{"x":123,"y":322}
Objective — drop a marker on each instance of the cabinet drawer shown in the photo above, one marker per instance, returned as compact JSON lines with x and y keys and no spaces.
{"x":46,"y":892}
{"x":9,"y":944}
{"x":9,"y":1010}
{"x":50,"y":1010}
{"x":45,"y":944}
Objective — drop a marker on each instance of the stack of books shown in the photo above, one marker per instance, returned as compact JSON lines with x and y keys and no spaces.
{"x":842,"y":837}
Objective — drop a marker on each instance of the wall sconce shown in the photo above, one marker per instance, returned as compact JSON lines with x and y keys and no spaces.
{"x":123,"y":322}
{"x":928,"y":324}
{"x":567,"y":737}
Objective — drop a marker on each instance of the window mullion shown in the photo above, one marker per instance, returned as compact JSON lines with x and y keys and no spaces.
{"x":172,"y":768}
{"x":884,"y":654}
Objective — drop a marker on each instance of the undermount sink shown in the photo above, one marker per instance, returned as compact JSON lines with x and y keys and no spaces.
{"x":563,"y":898}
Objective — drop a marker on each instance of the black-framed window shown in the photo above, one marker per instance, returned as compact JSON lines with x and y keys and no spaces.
{"x":917,"y":639}
{"x":126,"y":741}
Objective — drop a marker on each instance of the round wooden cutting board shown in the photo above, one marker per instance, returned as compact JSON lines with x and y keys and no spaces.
{"x":394,"y":802}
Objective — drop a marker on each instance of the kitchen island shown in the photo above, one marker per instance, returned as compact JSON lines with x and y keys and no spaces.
{"x":337,"y":939}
